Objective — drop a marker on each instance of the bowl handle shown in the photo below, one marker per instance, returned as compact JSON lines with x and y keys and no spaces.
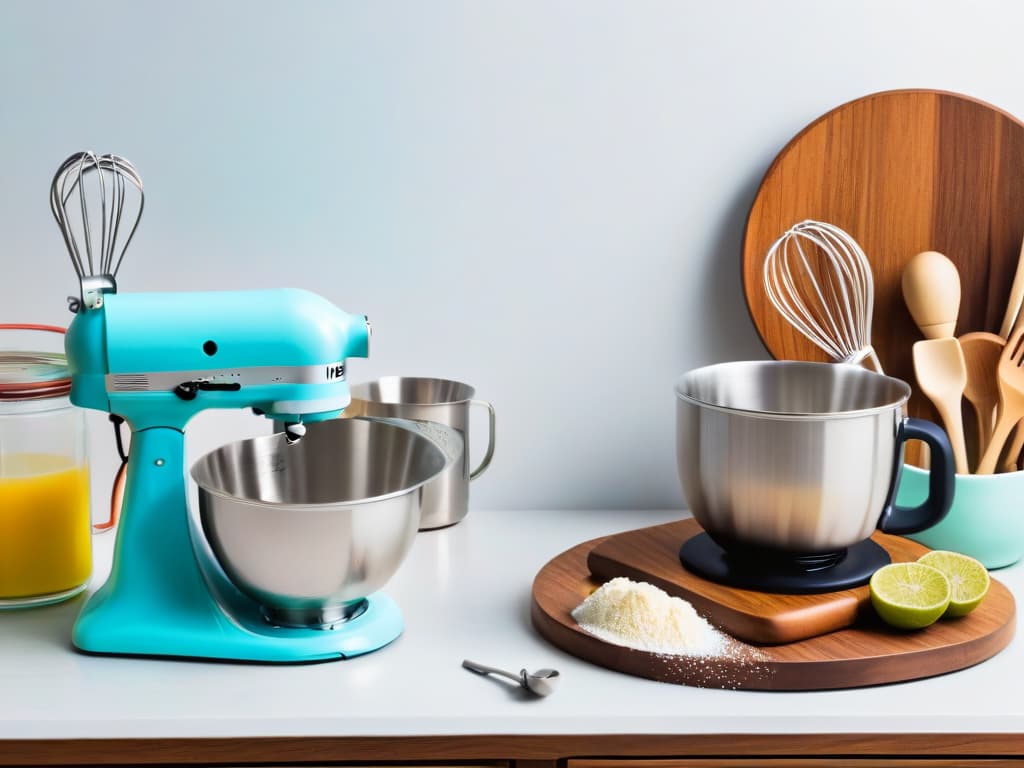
{"x":941,"y":477}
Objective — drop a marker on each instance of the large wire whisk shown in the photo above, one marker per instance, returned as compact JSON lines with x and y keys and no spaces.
{"x":95,"y":238}
{"x":818,"y":278}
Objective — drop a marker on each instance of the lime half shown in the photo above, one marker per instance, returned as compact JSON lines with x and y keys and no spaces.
{"x":967,"y":578}
{"x":909,"y":595}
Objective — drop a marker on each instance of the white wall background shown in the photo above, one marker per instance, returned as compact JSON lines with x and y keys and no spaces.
{"x":543,"y":199}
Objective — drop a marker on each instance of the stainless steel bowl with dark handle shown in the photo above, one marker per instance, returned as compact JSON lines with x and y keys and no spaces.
{"x":800,"y":457}
{"x":309,"y":529}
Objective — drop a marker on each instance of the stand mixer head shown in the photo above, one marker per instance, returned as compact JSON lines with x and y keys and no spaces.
{"x":157,"y":359}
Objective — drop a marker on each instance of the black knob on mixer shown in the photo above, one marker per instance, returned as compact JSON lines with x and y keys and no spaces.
{"x":188,"y":390}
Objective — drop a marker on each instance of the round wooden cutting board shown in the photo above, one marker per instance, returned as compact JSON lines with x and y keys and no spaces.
{"x":867,"y":653}
{"x":902,"y":172}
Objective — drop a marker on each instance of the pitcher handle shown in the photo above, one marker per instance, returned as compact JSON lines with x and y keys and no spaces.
{"x":486,"y":461}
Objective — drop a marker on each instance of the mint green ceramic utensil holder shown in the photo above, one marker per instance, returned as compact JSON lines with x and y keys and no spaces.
{"x":985,"y":522}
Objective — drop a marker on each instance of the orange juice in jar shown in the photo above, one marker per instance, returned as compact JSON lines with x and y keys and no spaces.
{"x":45,"y":525}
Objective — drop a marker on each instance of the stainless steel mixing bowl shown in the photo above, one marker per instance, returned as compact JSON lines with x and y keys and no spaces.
{"x":800,"y":457}
{"x":308,"y":530}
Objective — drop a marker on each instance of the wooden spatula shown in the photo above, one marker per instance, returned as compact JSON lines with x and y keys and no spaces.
{"x":1011,"y":399}
{"x":942,"y":375}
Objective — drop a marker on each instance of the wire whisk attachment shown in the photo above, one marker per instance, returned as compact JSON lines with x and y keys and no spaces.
{"x":97,"y":201}
{"x":818,"y":278}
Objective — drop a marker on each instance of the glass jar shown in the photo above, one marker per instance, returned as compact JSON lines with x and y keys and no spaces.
{"x":45,"y":520}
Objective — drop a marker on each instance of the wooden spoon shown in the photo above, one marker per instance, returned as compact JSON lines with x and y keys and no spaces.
{"x":1011,"y":399}
{"x":981,"y":353}
{"x":931,"y":289}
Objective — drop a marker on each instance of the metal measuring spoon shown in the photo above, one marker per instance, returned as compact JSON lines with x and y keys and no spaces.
{"x":542,"y":682}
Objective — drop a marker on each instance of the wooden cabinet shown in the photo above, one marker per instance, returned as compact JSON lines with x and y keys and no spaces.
{"x":940,"y":750}
{"x":803,"y":762}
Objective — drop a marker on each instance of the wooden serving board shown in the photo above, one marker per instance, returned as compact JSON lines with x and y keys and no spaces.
{"x":868,"y":653}
{"x":652,"y":555}
{"x":902,"y":172}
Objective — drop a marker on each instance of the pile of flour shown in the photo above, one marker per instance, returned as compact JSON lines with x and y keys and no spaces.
{"x":639,"y":615}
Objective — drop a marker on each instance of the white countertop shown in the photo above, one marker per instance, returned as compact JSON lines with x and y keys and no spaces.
{"x":465,"y":593}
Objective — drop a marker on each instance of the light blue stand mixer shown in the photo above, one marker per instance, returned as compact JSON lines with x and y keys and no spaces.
{"x":157,"y":359}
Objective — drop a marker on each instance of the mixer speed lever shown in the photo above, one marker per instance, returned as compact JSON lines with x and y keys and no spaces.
{"x":188,"y":390}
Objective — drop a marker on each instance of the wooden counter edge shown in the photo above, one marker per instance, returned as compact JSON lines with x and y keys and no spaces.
{"x":283,"y":750}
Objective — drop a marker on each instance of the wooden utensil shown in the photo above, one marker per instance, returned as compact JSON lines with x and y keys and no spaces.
{"x":931,"y":290}
{"x":1010,"y":457}
{"x":981,"y":351}
{"x":1011,"y":399}
{"x":942,"y":375}
{"x":902,"y":172}
{"x":867,"y":653}
{"x":1013,"y":304}
{"x":1011,"y":320}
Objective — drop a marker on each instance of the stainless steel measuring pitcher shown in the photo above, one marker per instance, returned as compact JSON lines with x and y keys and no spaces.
{"x":445,"y":499}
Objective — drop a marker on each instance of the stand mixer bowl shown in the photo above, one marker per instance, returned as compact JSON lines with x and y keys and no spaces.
{"x":309,"y":530}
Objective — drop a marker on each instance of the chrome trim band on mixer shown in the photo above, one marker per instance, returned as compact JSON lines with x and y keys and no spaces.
{"x":320,"y":405}
{"x":162,"y":381}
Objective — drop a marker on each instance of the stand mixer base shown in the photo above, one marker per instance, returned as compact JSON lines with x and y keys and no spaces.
{"x":245,"y":638}
{"x":157,"y":602}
